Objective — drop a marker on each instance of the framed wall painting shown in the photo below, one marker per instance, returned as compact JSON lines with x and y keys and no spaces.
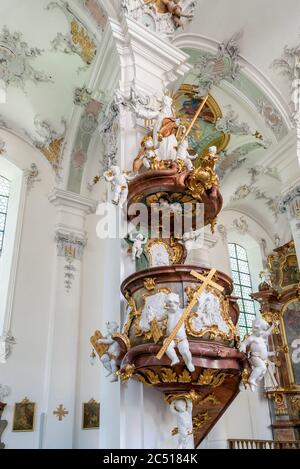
{"x":24,"y":416}
{"x":91,"y":415}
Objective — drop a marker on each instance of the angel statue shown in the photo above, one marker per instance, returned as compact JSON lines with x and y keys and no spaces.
{"x":256,"y":346}
{"x":146,"y":155}
{"x":110,"y":351}
{"x":138,"y":241}
{"x":184,"y":155}
{"x":165,"y":131}
{"x":183,"y":410}
{"x":191,"y":239}
{"x":119,"y":182}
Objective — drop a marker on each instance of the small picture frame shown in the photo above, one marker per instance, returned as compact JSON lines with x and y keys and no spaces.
{"x":24,"y":416}
{"x":91,"y":415}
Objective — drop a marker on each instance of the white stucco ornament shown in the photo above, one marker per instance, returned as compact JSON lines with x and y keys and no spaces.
{"x":256,"y":347}
{"x":174,"y":313}
{"x":209,"y":313}
{"x":109,"y":358}
{"x":154,"y":309}
{"x":183,"y":410}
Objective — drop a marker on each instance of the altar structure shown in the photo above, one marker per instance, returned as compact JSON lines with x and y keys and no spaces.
{"x":150,"y":178}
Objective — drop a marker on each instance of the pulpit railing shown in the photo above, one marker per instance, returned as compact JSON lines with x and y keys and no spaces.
{"x":263,"y":444}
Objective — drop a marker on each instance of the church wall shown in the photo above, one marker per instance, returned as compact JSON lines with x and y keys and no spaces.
{"x":24,"y":371}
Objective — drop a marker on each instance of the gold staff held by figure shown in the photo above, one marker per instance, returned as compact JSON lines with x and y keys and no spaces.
{"x":186,"y":134}
{"x":206,"y":281}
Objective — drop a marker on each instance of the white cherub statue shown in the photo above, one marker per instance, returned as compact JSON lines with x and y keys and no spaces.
{"x":149,"y":152}
{"x":183,"y":409}
{"x":193,"y":239}
{"x":109,"y":357}
{"x":119,"y":181}
{"x":174,"y":314}
{"x":184,"y":155}
{"x":138,"y":241}
{"x":256,"y":345}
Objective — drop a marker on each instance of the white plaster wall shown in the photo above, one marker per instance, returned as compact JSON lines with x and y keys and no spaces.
{"x":24,"y":370}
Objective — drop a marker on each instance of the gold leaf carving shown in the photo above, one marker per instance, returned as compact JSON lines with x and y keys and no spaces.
{"x":212,"y":378}
{"x":52,"y":151}
{"x":200,"y":420}
{"x":80,"y":38}
{"x":168,"y":375}
{"x":101,"y":349}
{"x":152,"y":377}
{"x":185,"y":377}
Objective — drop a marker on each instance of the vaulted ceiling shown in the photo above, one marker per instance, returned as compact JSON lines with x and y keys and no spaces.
{"x":49,"y":49}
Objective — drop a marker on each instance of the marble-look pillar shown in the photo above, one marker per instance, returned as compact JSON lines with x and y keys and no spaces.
{"x":63,"y":330}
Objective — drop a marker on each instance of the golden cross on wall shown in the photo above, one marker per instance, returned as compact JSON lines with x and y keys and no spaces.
{"x":206,"y":281}
{"x":60,"y":412}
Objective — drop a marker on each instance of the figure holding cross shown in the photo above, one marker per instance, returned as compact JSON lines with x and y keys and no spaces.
{"x":176,"y":323}
{"x":174,"y":314}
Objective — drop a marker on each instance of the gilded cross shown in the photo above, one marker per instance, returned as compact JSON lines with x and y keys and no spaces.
{"x":205,"y":282}
{"x":60,"y":412}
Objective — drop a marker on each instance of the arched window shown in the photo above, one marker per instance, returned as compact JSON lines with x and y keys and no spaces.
{"x":4,"y":196}
{"x":12,"y":203}
{"x":242,"y":286}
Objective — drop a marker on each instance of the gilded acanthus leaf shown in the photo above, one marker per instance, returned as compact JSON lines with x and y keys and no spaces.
{"x":168,"y":375}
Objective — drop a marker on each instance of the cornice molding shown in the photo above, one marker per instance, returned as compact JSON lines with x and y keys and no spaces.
{"x":59,"y":197}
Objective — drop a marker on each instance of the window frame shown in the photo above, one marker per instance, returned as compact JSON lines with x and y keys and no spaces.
{"x":248,"y":317}
{"x":4,"y":213}
{"x":10,"y":249}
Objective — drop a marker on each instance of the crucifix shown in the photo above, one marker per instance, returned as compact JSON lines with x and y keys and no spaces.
{"x":205,"y":282}
{"x":60,"y":412}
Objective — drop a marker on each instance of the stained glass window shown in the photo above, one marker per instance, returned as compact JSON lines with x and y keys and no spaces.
{"x":242,"y":286}
{"x":4,"y":196}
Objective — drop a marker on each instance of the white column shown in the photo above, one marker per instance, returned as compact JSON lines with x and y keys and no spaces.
{"x":149,"y":64}
{"x":290,"y":204}
{"x":61,"y":362}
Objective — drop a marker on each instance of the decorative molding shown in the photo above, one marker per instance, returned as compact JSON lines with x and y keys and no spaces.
{"x":244,"y":190}
{"x":289,"y":67}
{"x":6,"y":344}
{"x":61,"y":198}
{"x":32,"y":176}
{"x":240,"y":225}
{"x":229,"y":123}
{"x":82,"y":96}
{"x":222,"y":230}
{"x":70,"y":246}
{"x":211,"y":70}
{"x":161,"y":16}
{"x":2,"y":146}
{"x":237,"y":157}
{"x":16,"y":57}
{"x":109,"y":128}
{"x":4,"y":392}
{"x":96,"y":12}
{"x":49,"y":142}
{"x":290,"y":203}
{"x":78,"y":41}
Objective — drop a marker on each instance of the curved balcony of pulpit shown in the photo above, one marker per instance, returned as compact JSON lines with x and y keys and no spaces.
{"x":218,"y":367}
{"x":173,"y":185}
